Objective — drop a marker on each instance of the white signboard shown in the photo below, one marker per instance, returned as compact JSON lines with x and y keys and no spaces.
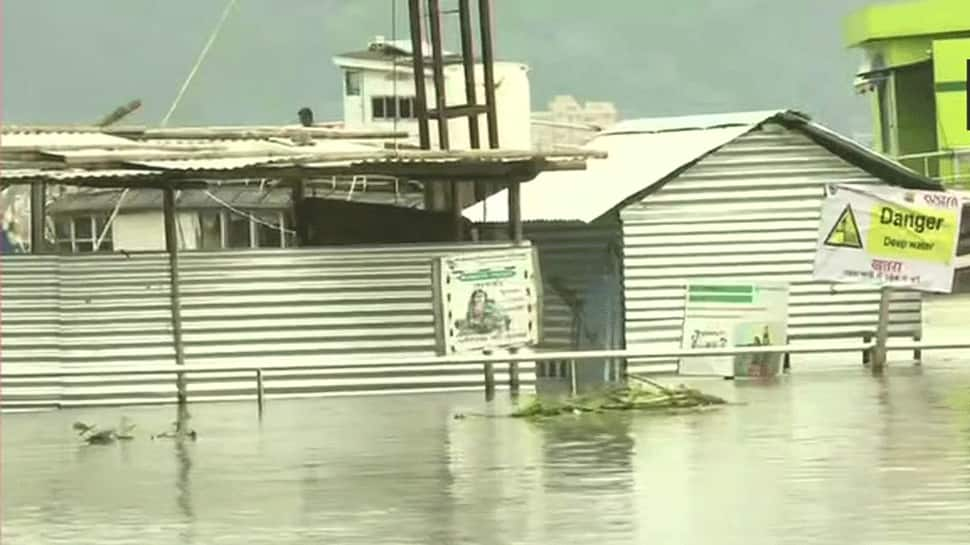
{"x":888,"y":237}
{"x":487,"y":301}
{"x":733,"y":314}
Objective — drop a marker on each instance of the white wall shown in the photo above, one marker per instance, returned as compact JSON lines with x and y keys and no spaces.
{"x":512,"y":97}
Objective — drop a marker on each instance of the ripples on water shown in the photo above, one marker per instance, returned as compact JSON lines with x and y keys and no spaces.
{"x":834,"y":457}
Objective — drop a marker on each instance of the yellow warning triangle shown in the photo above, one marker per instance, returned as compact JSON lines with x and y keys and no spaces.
{"x":845,"y":233}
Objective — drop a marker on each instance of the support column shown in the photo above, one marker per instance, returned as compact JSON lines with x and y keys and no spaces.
{"x":172,"y":247}
{"x":515,"y":212}
{"x":297,"y":194}
{"x":38,"y":217}
{"x":882,"y":332}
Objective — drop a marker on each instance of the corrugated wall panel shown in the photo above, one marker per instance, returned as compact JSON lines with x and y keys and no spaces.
{"x":247,"y":307}
{"x":748,"y":211}
{"x":571,"y":254}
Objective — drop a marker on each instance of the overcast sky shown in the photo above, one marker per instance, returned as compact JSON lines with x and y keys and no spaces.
{"x":72,"y":61}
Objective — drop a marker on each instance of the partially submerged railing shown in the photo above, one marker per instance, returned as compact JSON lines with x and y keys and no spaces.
{"x":487,"y":361}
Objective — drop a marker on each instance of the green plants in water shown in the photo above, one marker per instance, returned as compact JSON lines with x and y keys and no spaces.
{"x":645,"y":396}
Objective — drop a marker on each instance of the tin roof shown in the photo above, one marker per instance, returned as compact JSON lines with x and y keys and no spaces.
{"x":180,"y":156}
{"x":644,"y":153}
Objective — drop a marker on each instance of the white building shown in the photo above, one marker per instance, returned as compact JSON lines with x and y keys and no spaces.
{"x":378,"y":90}
{"x":569,"y":123}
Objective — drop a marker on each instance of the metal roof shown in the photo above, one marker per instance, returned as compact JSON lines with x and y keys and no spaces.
{"x":644,"y":153}
{"x":191,"y":155}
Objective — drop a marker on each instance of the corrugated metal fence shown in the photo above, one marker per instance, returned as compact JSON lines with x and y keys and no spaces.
{"x":748,"y":211}
{"x":253,"y":306}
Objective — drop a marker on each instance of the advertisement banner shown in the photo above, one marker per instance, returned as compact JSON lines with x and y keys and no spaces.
{"x":734,"y":314}
{"x":888,"y":236}
{"x":487,"y":301}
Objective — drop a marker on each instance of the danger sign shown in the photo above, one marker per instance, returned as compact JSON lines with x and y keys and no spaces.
{"x":845,"y":233}
{"x":888,"y":237}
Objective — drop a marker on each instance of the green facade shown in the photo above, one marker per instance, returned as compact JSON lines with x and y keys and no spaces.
{"x":916,"y":75}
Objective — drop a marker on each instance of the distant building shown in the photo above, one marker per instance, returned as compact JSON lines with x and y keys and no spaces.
{"x":569,"y":123}
{"x":915,"y":71}
{"x":378,"y":93}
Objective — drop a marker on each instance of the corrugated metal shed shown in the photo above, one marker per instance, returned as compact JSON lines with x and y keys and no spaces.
{"x":733,"y":196}
{"x":748,"y":211}
{"x":257,"y":306}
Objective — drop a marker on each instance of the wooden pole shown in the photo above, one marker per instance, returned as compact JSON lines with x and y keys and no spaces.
{"x":514,"y":375}
{"x":489,"y":381}
{"x":515,"y":212}
{"x":259,"y":389}
{"x":172,"y":246}
{"x":882,"y":332}
{"x":38,"y":217}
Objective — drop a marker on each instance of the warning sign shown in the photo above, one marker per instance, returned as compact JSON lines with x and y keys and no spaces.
{"x":888,"y":237}
{"x":845,"y":233}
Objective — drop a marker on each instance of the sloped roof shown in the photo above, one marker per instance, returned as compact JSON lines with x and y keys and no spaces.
{"x":644,"y":153}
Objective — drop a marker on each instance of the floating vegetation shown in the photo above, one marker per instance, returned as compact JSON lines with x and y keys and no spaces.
{"x":646,"y":396}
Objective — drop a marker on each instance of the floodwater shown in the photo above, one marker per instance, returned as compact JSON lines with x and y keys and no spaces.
{"x":834,"y":456}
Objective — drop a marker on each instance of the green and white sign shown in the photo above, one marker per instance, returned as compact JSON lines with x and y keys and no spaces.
{"x":487,"y":301}
{"x":723,"y":314}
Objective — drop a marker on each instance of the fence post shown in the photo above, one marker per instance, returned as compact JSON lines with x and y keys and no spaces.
{"x":489,"y":381}
{"x":259,"y":389}
{"x":867,"y":353}
{"x":514,"y":374}
{"x":882,"y":331}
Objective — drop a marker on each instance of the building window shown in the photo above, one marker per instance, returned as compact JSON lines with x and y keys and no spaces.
{"x":80,"y":234}
{"x":352,"y":80}
{"x":392,"y":107}
{"x":225,"y":229}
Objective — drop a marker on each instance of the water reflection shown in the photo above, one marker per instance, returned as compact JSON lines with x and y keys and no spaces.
{"x":183,"y":485}
{"x":824,"y":458}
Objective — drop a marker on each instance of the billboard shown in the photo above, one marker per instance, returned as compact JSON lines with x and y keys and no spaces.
{"x":734,"y":314}
{"x":487,"y":301}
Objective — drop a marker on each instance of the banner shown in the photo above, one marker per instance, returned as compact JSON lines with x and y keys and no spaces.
{"x":734,"y":314}
{"x":487,"y":301}
{"x":888,"y":237}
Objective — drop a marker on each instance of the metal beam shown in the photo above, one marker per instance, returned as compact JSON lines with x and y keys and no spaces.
{"x":172,"y":246}
{"x":38,"y":218}
{"x":472,"y":109}
{"x":488,"y":62}
{"x":515,"y":212}
{"x":465,"y":110}
{"x":417,"y":65}
{"x":580,"y":356}
{"x":438,"y":71}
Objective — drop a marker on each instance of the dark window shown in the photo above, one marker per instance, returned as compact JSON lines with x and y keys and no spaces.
{"x":352,"y":83}
{"x":82,"y":227}
{"x":377,"y":107}
{"x":237,"y":232}
{"x":268,"y":230}
{"x":389,"y":107}
{"x":210,"y":230}
{"x":404,"y":108}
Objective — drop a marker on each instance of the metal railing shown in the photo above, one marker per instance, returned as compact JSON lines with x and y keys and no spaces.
{"x":486,"y":360}
{"x":933,"y":164}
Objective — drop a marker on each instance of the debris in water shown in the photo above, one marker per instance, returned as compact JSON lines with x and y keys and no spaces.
{"x":650,"y":397}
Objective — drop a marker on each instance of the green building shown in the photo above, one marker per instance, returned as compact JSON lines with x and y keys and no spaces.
{"x":915,"y":70}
